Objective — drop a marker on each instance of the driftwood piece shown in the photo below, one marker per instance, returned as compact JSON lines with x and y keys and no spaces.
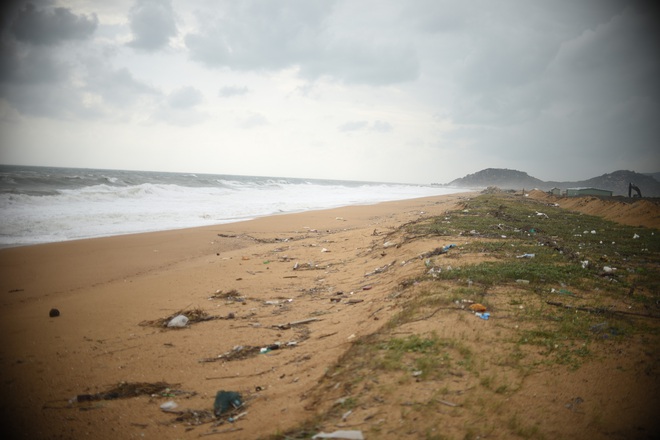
{"x":293,"y":323}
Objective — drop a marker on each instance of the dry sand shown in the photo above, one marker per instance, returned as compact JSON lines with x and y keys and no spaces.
{"x":104,"y":288}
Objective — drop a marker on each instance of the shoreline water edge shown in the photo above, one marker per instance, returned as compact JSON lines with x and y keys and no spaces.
{"x":44,"y":205}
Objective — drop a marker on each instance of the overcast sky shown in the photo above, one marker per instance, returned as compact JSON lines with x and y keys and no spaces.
{"x":413,"y":91}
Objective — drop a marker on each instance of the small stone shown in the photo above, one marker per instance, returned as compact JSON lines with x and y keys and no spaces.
{"x":54,"y":313}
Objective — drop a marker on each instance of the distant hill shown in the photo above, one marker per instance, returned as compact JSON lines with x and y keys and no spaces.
{"x":656,"y":176}
{"x":502,"y":178}
{"x":617,"y":182}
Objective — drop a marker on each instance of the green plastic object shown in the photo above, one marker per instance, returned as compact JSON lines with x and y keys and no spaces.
{"x":225,"y":401}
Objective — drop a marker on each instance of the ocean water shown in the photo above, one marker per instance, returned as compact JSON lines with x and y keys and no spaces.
{"x":42,"y":205}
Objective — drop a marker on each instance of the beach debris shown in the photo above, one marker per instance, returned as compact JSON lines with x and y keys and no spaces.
{"x":526,"y":256}
{"x":169,"y":406}
{"x":308,"y":266}
{"x":380,"y":269}
{"x":574,"y":404}
{"x":562,"y":292}
{"x":225,"y":401}
{"x":240,"y":352}
{"x":231,"y":295}
{"x":437,"y":251}
{"x":484,"y":316}
{"x":446,"y":402}
{"x":367,"y":287}
{"x":635,"y":236}
{"x":125,"y":390}
{"x":476,"y":307}
{"x":521,"y":281}
{"x":288,"y":325}
{"x":178,"y":321}
{"x":341,"y":434}
{"x":346,"y":414}
{"x":236,"y":417}
{"x":541,"y":214}
{"x":278,"y":302}
{"x":193,"y":316}
{"x":388,"y":244}
{"x":54,"y":313}
{"x":236,"y":353}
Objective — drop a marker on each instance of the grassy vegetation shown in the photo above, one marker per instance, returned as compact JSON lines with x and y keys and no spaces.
{"x":529,"y":328}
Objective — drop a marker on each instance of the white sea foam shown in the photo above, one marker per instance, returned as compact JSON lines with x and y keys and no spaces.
{"x":58,"y":212}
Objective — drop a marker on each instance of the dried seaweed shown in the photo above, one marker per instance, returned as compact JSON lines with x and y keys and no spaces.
{"x":125,"y":390}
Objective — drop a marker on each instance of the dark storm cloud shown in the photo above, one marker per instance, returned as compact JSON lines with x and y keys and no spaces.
{"x":117,"y":87}
{"x":35,"y":65}
{"x":254,"y":35}
{"x":51,"y":26}
{"x":152,"y":23}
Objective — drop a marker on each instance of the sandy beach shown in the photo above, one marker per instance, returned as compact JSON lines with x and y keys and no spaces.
{"x":300,"y":267}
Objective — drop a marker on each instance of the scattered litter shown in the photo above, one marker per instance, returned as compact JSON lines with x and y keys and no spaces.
{"x":324,"y":250}
{"x":276,"y":302}
{"x":308,"y":266}
{"x":540,"y":214}
{"x":125,"y":390}
{"x":380,"y":269}
{"x":608,"y":269}
{"x":232,"y":295}
{"x":574,"y":404}
{"x":233,"y":419}
{"x":483,"y":315}
{"x":446,"y":402}
{"x":522,"y":281}
{"x":193,"y":316}
{"x":367,"y":288}
{"x":346,"y":414}
{"x":562,"y":292}
{"x":225,"y":401}
{"x":54,"y":313}
{"x":178,"y":321}
{"x":635,"y":236}
{"x":169,"y":405}
{"x":478,"y":308}
{"x":270,"y":347}
{"x":437,"y":251}
{"x":341,"y":434}
{"x":389,"y":244}
{"x":526,"y":256}
{"x":288,"y":325}
{"x":584,"y":264}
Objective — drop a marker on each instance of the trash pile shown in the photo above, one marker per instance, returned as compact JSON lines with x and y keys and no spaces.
{"x":180,"y":319}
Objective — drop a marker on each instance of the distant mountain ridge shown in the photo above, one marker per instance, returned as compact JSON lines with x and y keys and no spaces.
{"x":617,"y":182}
